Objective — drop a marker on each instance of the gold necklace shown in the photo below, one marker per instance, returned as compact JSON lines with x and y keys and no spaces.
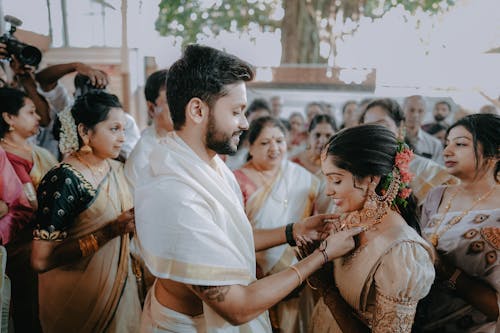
{"x":26,"y":149}
{"x":434,"y":238}
{"x":93,"y":169}
{"x":352,"y":220}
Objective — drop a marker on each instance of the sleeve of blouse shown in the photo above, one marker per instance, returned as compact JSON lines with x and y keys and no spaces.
{"x":404,"y":276}
{"x":61,"y":197}
{"x":431,"y":204}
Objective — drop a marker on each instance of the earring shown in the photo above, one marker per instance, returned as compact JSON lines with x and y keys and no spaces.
{"x":371,"y":205}
{"x":86,"y":149}
{"x":11,"y":128}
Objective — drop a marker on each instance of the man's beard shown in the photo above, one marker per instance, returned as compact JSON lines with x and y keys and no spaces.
{"x":218,"y":141}
{"x":439,"y":117}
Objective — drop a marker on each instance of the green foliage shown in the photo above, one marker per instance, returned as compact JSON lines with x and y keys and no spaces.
{"x":372,"y":7}
{"x":193,"y":19}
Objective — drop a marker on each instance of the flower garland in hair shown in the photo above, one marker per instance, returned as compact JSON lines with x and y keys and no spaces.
{"x":404,"y":155}
{"x":68,"y":140}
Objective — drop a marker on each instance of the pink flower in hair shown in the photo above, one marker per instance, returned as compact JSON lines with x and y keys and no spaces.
{"x":406,"y":175}
{"x":405,"y":193}
{"x":403,"y":158}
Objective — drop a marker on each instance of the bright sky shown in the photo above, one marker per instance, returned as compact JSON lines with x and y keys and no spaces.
{"x":444,"y":56}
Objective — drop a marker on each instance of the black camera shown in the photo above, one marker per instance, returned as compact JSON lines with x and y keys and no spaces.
{"x":26,"y":54}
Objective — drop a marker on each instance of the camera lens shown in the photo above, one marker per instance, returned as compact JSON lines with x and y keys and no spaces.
{"x":30,"y":55}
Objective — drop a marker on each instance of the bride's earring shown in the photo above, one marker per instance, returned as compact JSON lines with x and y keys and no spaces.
{"x":371,"y":206}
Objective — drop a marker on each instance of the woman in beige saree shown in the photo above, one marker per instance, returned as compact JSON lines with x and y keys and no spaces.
{"x":391,"y":268}
{"x":85,"y":217}
{"x":277,"y":192}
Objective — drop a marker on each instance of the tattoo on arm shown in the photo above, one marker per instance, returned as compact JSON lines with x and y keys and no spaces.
{"x":213,"y":293}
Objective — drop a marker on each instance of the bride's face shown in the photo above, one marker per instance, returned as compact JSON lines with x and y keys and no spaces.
{"x":348,"y":192}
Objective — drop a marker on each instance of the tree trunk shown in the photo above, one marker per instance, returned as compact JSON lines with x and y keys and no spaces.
{"x":299,"y":33}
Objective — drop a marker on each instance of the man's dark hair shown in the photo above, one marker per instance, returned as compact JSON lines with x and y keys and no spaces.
{"x":445,"y":103}
{"x":155,"y":82}
{"x":202,"y":72}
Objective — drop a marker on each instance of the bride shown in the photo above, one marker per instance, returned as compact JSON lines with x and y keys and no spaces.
{"x":391,"y":268}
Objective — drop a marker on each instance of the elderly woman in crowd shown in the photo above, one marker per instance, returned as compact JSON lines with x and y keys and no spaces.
{"x":277,"y":192}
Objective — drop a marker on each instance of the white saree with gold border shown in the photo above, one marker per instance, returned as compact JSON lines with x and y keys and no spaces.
{"x":289,"y":198}
{"x":192,"y":229}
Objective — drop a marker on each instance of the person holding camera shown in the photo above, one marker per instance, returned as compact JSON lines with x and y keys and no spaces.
{"x":21,"y":76}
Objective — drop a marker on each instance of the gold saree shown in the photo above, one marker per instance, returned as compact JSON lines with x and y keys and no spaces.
{"x":96,"y":293}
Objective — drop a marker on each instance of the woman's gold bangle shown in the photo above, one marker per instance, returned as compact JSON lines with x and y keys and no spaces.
{"x":298,"y":274}
{"x":88,"y":245}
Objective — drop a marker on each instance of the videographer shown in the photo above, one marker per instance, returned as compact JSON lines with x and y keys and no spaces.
{"x":24,"y":79}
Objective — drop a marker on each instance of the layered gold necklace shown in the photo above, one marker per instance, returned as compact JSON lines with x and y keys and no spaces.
{"x":436,"y":235}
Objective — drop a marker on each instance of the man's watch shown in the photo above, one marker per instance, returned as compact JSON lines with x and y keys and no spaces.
{"x":451,"y":283}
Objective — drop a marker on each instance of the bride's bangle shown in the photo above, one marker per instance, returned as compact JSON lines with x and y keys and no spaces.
{"x":322,"y":249}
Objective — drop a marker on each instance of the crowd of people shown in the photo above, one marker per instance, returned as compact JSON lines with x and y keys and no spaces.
{"x":222,"y":216}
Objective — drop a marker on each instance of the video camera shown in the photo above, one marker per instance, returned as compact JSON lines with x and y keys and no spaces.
{"x":26,"y":54}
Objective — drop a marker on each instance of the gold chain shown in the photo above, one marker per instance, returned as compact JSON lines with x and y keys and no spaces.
{"x":101,"y":170}
{"x":434,"y":238}
{"x":93,"y":170}
{"x":268,"y":184}
{"x":27,"y":149}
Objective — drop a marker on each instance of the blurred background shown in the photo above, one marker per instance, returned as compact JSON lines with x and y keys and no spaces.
{"x":304,"y":50}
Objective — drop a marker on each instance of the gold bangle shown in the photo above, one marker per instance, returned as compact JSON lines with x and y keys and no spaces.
{"x":310,"y":285}
{"x":83,"y":247}
{"x":298,"y":274}
{"x":94,"y":244}
{"x":88,"y":245}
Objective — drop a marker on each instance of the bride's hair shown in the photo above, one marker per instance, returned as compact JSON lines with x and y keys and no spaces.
{"x":370,"y":150}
